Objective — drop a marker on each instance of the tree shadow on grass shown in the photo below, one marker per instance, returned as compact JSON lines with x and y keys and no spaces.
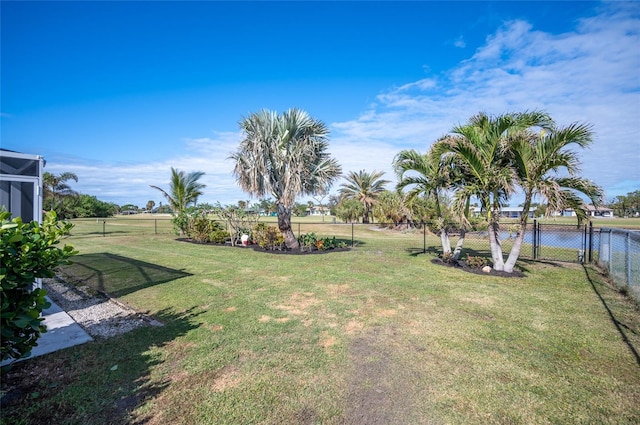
{"x":601,"y":291}
{"x":100,"y":382}
{"x":116,"y":275}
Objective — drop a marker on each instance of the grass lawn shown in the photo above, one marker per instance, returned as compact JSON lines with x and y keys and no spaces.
{"x":378,"y":334}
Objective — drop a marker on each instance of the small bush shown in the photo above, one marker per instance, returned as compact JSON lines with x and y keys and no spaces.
{"x":308,"y":241}
{"x":476,"y":262}
{"x":219,"y":236}
{"x":268,"y":237}
{"x":201,"y":229}
{"x":447,"y":257}
{"x":27,"y":252}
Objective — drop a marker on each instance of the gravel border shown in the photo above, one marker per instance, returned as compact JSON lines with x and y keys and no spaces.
{"x":101,"y":316}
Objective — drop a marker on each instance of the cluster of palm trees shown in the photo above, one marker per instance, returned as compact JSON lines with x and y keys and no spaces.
{"x":487,"y":159}
{"x":490,"y":158}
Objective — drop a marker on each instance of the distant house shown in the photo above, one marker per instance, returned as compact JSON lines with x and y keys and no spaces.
{"x":591,"y":212}
{"x":507,"y":212}
{"x":318,"y":210}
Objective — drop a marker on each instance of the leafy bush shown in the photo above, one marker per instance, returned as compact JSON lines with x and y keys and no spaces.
{"x":308,"y":241}
{"x":219,"y":236}
{"x":268,"y":237}
{"x":448,"y":257}
{"x":201,"y":229}
{"x":476,"y":262}
{"x":27,"y":252}
{"x":181,"y":223}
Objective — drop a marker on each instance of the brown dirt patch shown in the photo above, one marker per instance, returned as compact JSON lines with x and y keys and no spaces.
{"x":377,"y":394}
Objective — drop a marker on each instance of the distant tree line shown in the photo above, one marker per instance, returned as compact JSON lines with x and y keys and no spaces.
{"x":67,"y":203}
{"x":626,"y":205}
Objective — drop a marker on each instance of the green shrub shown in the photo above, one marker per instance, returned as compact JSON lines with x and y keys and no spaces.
{"x":219,"y":236}
{"x":476,"y":262}
{"x":27,"y":252}
{"x":268,"y":237}
{"x":308,"y":241}
{"x":201,"y":229}
{"x":447,"y":257}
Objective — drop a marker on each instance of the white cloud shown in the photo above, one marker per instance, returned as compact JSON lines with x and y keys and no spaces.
{"x":130,"y":183}
{"x":460,"y":43}
{"x":587,"y":75}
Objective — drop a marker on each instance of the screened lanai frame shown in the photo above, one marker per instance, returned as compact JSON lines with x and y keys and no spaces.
{"x":21,"y":184}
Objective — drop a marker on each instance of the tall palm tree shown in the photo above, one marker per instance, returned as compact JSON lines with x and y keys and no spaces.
{"x":56,"y":187}
{"x":426,"y":175}
{"x":365,"y":188}
{"x":538,"y":158}
{"x":284,"y":155}
{"x":184,"y":189}
{"x":482,"y":146}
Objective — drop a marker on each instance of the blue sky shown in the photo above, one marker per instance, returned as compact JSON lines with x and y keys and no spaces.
{"x":119,"y":92}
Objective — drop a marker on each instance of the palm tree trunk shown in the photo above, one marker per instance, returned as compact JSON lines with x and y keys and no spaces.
{"x":444,"y":239}
{"x":365,"y":217}
{"x":458,"y":250}
{"x":284,"y":224}
{"x":515,"y":252}
{"x":496,"y":246}
{"x":517,"y":244}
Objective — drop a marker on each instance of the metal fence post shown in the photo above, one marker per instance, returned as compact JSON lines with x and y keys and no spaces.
{"x":104,"y":225}
{"x":424,"y":238}
{"x":590,"y":258}
{"x":352,"y":240}
{"x":534,"y":239}
{"x":628,"y":260}
{"x":610,"y":252}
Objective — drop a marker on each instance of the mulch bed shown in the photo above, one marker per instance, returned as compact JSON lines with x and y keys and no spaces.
{"x":462,"y":265}
{"x":257,"y":248}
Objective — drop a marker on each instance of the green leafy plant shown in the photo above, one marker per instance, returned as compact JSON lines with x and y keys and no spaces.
{"x":448,"y":257}
{"x":476,"y":262}
{"x":201,"y":229}
{"x":219,"y":236}
{"x":268,"y":237}
{"x":27,"y":251}
{"x":308,"y":241}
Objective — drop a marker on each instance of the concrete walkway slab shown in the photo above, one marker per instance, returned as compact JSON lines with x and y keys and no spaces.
{"x":62,"y":332}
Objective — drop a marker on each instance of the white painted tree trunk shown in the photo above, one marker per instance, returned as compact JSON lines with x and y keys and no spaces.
{"x":458,"y":250}
{"x":446,"y":243}
{"x":496,"y":246}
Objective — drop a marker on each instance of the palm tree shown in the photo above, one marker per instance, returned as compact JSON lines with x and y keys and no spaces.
{"x":425,"y":175}
{"x":284,"y":155}
{"x":482,"y":147}
{"x":537,"y":160}
{"x":184,"y":189}
{"x":391,"y":207}
{"x":365,"y":188}
{"x":56,"y":187}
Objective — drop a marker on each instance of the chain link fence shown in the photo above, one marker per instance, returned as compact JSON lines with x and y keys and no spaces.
{"x":553,"y":242}
{"x":619,"y":254}
{"x":615,"y":250}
